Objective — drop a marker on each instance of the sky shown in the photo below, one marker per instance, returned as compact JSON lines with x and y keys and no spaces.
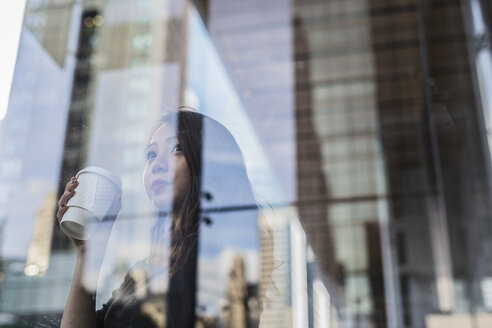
{"x":10,"y":27}
{"x":31,"y":142}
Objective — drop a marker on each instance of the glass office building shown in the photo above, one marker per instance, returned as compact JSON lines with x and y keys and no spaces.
{"x":364,"y":127}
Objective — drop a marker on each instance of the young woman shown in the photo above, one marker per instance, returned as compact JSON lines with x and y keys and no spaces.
{"x":194,"y":167}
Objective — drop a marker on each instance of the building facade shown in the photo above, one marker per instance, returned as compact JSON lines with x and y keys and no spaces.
{"x":364,"y":127}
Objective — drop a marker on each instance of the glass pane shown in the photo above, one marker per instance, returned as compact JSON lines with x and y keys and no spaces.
{"x":247,"y":164}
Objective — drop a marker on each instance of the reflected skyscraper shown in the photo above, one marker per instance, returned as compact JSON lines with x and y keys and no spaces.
{"x":430,"y":131}
{"x":237,"y":294}
{"x":383,"y":128}
{"x":366,"y":125}
{"x":81,"y":109}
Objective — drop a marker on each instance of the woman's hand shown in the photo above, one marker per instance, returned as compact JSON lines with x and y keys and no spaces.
{"x":79,"y":310}
{"x":62,"y":207}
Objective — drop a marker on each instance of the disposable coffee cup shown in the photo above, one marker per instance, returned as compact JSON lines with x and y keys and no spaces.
{"x":92,"y":200}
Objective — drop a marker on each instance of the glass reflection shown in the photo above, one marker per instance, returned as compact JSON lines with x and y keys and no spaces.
{"x":364,"y":127}
{"x":190,"y":160}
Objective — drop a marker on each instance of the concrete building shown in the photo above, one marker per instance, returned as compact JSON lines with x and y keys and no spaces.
{"x":365,"y":125}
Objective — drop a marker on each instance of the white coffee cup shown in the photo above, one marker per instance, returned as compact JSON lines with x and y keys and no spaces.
{"x":92,"y":200}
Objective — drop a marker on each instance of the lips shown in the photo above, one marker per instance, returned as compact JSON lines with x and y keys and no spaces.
{"x":159,"y":184}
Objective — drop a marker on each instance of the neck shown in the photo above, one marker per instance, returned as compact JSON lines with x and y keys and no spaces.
{"x":158,"y":242}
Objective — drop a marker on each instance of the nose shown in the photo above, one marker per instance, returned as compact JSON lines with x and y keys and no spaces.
{"x":160,"y":164}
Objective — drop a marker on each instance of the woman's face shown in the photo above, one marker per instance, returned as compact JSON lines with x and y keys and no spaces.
{"x":166,"y":175}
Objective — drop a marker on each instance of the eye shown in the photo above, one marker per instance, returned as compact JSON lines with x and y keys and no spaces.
{"x":150,"y":155}
{"x":176,"y":148}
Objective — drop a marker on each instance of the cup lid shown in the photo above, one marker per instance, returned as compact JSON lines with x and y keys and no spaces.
{"x":105,"y":173}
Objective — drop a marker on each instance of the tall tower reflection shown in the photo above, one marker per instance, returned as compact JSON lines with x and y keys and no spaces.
{"x":81,"y":106}
{"x":237,"y":294}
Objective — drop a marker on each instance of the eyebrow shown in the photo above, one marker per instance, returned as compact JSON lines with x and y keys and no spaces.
{"x":153,"y":143}
{"x":150,"y":145}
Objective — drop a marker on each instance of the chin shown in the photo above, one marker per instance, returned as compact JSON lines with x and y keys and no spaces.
{"x":163,"y":204}
{"x":161,"y":208}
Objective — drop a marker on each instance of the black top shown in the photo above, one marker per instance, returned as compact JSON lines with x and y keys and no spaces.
{"x":134,"y":303}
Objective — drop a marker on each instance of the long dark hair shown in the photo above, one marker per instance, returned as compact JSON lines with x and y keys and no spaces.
{"x":215,"y":161}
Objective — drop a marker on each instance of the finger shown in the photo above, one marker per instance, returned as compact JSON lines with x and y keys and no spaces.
{"x":66,"y":196}
{"x":71,"y":184}
{"x":61,"y":211}
{"x":69,"y":188}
